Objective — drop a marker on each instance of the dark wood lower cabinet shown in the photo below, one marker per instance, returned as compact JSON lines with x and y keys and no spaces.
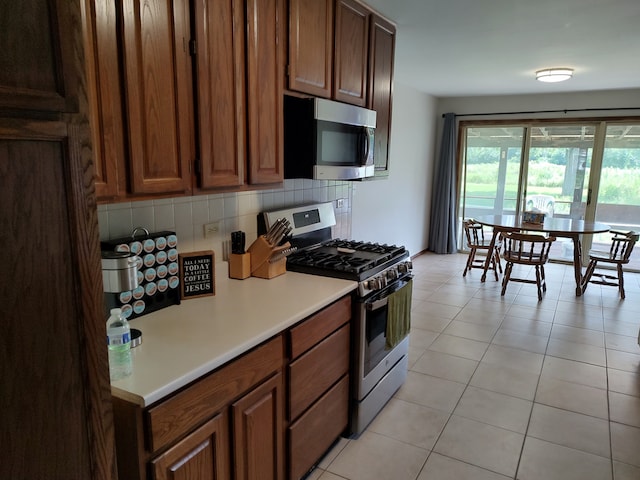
{"x":227,"y":425}
{"x":318,"y":395}
{"x":243,"y":442}
{"x":204,"y":454}
{"x":316,"y":430}
{"x":257,"y":430}
{"x":233,"y":424}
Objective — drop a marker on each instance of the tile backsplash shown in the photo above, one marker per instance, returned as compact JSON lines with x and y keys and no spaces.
{"x":187,"y":216}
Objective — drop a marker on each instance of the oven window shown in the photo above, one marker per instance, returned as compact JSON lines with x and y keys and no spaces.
{"x":375,"y":330}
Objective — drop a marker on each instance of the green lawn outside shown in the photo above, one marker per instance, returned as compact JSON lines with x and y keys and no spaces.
{"x":617,"y":185}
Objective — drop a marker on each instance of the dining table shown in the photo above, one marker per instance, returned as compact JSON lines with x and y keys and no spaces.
{"x":555,"y":226}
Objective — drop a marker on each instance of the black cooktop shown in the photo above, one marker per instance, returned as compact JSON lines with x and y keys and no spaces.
{"x":348,"y":259}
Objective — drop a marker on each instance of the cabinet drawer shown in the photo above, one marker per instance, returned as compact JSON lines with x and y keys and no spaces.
{"x":313,"y":373}
{"x":178,"y":415}
{"x":314,"y":432}
{"x":318,"y":326}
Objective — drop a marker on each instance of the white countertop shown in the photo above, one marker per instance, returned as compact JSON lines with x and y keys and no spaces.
{"x":182,"y":342}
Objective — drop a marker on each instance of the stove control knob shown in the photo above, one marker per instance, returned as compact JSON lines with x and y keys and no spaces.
{"x":405,"y":267}
{"x":392,"y":274}
{"x":377,"y":283}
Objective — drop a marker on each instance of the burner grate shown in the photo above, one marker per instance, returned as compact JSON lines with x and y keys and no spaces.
{"x":348,"y":258}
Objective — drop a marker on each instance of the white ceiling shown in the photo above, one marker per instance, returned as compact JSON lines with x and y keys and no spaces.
{"x":493,"y":47}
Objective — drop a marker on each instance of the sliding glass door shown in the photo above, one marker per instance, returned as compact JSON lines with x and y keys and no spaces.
{"x":491,"y":170}
{"x":616,"y":193}
{"x":557,"y":175}
{"x":580,"y":170}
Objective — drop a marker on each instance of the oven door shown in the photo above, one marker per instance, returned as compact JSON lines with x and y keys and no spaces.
{"x":373,"y":360}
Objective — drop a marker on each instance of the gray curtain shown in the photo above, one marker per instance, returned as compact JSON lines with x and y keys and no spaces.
{"x":442,"y":232}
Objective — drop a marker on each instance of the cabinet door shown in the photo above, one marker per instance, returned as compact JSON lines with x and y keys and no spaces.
{"x":220,"y":92}
{"x":158,"y":95}
{"x":351,"y":52}
{"x":381,"y":58}
{"x":258,"y":432}
{"x":310,"y":66}
{"x":264,"y":91}
{"x":51,"y":283}
{"x":202,"y":455}
{"x":105,"y":97}
{"x":37,"y":69}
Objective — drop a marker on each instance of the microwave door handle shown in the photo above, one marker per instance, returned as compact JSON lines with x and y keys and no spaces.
{"x":365,"y":147}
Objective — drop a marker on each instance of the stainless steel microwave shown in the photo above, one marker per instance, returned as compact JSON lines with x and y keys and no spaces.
{"x":327,"y":140}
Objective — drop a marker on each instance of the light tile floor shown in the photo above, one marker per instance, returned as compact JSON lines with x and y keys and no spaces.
{"x":507,"y":387}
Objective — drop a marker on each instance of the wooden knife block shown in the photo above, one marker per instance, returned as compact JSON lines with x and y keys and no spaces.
{"x":270,"y":270}
{"x":261,"y":251}
{"x":239,"y":265}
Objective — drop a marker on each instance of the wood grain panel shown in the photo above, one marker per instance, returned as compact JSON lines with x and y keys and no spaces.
{"x":203,"y":455}
{"x":319,"y":326}
{"x":220,"y":92}
{"x":51,"y":249}
{"x":37,"y":61}
{"x":380,"y":96}
{"x":313,"y":373}
{"x":264,"y":91}
{"x":258,"y":432}
{"x":310,"y":68}
{"x":105,"y":97}
{"x":158,"y":93}
{"x":44,"y":241}
{"x":176,"y":416}
{"x":351,"y":52}
{"x":315,"y":431}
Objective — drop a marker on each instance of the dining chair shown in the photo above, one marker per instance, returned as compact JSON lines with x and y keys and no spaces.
{"x":474,"y":234}
{"x":622,"y":244}
{"x":526,"y":249}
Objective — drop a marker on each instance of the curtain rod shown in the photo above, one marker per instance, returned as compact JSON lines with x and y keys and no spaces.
{"x":543,"y":111}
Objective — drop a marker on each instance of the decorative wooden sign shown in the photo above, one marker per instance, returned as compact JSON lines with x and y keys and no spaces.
{"x":197,"y":274}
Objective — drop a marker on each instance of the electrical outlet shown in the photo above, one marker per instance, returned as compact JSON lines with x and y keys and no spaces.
{"x":340,"y":203}
{"x":210,"y":229}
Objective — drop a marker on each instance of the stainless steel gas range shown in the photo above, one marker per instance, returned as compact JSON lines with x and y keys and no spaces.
{"x":378,"y":367}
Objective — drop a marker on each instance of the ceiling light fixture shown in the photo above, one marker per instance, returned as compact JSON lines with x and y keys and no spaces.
{"x":552,"y":75}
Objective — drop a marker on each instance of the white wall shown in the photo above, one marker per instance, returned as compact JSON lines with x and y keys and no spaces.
{"x":396,"y":210}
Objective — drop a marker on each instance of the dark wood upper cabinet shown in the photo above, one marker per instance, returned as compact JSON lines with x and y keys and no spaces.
{"x":104,"y":97}
{"x":310,"y":67}
{"x":45,"y":80}
{"x":238,"y":92}
{"x":351,"y":52}
{"x":346,"y":54}
{"x":158,"y":92}
{"x":220,"y":92}
{"x":381,"y":59}
{"x":265,"y":91}
{"x":185,"y":96}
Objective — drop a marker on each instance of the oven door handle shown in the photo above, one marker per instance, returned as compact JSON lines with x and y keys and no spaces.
{"x":372,"y":305}
{"x":377,"y":304}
